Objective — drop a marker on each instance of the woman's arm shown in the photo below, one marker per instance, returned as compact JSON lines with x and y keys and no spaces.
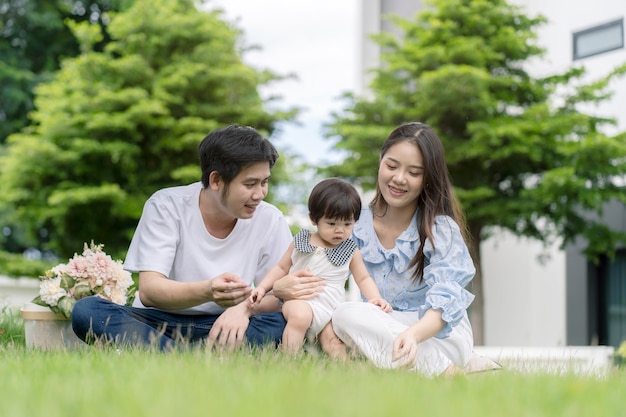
{"x":449,"y":270}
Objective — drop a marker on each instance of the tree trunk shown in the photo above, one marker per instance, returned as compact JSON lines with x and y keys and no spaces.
{"x":477,"y":308}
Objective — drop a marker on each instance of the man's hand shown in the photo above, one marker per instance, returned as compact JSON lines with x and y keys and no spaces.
{"x":228,"y":290}
{"x":298,"y":285}
{"x":229,"y":330}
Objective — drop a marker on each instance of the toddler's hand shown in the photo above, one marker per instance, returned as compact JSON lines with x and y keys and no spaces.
{"x":256,"y":296}
{"x":382,"y":303}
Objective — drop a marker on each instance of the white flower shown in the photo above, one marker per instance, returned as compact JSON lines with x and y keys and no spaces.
{"x":123,"y":278}
{"x":50,"y":291}
{"x":118,"y":296}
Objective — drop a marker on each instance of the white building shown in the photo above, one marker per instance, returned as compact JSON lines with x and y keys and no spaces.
{"x":536,"y":296}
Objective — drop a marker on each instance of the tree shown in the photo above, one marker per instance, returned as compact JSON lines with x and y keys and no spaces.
{"x":33,"y":41}
{"x":521,"y":153}
{"x":115,"y":125}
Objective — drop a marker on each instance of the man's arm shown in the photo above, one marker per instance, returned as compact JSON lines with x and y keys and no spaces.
{"x":156,"y":290}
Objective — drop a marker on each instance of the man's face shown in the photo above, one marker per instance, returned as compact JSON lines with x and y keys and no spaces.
{"x":246,"y":191}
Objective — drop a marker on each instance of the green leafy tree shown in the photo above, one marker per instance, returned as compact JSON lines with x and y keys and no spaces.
{"x":115,"y":125}
{"x":522,"y":154}
{"x":33,"y":41}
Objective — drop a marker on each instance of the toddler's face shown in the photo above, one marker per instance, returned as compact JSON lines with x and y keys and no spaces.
{"x":334,"y":231}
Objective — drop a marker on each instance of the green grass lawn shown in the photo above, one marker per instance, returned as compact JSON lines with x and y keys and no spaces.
{"x":105,"y":382}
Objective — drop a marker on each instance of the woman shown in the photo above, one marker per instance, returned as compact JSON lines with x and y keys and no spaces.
{"x":412,"y":238}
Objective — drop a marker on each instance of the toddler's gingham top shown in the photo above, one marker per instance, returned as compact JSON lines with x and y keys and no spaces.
{"x":337,"y":256}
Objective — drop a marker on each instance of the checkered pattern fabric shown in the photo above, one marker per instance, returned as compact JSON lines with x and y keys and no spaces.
{"x":338,"y":255}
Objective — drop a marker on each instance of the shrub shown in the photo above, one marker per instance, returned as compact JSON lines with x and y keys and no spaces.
{"x":16,"y":265}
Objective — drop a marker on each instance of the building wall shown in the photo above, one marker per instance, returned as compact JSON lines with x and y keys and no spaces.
{"x":524,"y":288}
{"x":368,"y":52}
{"x":373,"y":21}
{"x":557,"y":37}
{"x":579,"y":316}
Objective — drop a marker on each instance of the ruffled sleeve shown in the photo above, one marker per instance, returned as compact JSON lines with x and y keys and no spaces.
{"x":448,"y":269}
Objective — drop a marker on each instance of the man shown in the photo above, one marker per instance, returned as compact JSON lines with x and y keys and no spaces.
{"x":197,"y":249}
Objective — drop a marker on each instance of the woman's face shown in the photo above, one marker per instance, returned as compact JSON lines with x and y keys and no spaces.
{"x":401,"y":174}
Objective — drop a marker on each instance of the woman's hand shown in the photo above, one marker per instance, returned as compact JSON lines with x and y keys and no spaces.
{"x":229,"y":330}
{"x":298,"y":285}
{"x":405,"y":346}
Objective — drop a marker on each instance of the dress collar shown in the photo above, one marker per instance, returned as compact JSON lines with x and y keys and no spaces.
{"x":401,"y":254}
{"x":338,"y":255}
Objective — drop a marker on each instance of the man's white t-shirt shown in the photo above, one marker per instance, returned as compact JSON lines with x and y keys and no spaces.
{"x":171,"y":239}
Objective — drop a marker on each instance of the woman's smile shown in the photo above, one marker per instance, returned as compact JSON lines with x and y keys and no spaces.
{"x":396,"y":192}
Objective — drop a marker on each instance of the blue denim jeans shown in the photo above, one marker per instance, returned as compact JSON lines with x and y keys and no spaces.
{"x":97,"y":319}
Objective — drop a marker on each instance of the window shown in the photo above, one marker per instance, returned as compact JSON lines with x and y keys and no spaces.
{"x":599,"y":39}
{"x":607,"y":300}
{"x":615,"y":299}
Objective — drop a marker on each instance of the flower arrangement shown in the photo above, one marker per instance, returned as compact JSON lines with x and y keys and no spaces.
{"x":92,"y":273}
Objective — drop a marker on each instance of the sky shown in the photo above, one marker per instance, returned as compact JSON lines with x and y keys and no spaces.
{"x":316,"y":40}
